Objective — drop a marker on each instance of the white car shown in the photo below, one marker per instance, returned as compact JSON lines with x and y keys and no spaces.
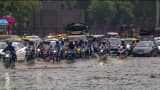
{"x":20,"y":50}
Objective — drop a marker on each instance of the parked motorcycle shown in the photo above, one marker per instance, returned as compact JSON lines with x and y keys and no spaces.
{"x":8,"y":60}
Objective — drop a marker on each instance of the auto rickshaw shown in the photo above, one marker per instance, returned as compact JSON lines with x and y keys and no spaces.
{"x":129,"y":42}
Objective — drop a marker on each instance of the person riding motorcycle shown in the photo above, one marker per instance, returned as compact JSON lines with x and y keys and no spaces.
{"x":104,"y":47}
{"x":71,"y":48}
{"x":12,"y":50}
{"x":122,"y":49}
{"x":30,"y":50}
{"x":40,"y":50}
{"x":57,"y":47}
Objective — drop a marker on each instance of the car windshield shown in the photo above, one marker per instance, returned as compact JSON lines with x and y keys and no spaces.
{"x":17,"y":45}
{"x":145,"y":44}
{"x":3,"y":45}
{"x":128,"y":42}
{"x":114,"y":41}
{"x":53,"y":43}
{"x":158,"y":43}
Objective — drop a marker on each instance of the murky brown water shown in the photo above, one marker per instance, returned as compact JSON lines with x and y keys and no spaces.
{"x":131,"y":74}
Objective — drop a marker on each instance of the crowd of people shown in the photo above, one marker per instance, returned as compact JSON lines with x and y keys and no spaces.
{"x":65,"y":49}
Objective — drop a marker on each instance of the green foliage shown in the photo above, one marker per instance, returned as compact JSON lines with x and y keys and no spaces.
{"x":102,"y":11}
{"x":124,"y":11}
{"x":21,"y":10}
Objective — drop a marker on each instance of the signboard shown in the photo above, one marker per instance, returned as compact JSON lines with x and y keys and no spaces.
{"x":3,"y":22}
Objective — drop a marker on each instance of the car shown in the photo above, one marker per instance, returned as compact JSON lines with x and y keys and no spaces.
{"x":145,"y":48}
{"x":158,"y":45}
{"x":114,"y":44}
{"x":3,"y":45}
{"x":20,"y":50}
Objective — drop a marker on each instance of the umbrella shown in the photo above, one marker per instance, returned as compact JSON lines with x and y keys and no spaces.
{"x":76,"y":27}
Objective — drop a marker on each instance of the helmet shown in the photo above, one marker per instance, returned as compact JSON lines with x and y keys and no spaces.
{"x":57,"y":42}
{"x":71,"y":41}
{"x":9,"y":43}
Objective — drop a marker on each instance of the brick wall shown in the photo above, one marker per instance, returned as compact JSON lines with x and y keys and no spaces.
{"x":53,"y":17}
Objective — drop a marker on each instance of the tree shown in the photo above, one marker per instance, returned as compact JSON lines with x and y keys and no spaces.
{"x":102,"y":11}
{"x":124,"y":12}
{"x":80,"y":4}
{"x":21,"y":10}
{"x":144,"y":11}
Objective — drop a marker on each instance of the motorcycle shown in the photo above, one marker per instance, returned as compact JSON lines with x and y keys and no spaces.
{"x":39,"y":54}
{"x":8,"y":60}
{"x":78,"y":52}
{"x":29,"y":56}
{"x":83,"y":53}
{"x":47,"y":55}
{"x":122,"y":52}
{"x":70,"y":56}
{"x":103,"y":55}
{"x":56,"y":56}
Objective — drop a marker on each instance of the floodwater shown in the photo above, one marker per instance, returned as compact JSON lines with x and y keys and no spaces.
{"x":133,"y":73}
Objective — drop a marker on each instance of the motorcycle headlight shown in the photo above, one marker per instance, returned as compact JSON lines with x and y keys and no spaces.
{"x":54,"y":51}
{"x":7,"y":55}
{"x":38,"y":50}
{"x":83,"y":50}
{"x":128,"y":46}
{"x":101,"y":50}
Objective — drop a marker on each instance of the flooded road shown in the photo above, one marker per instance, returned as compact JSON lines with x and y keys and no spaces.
{"x":133,"y":73}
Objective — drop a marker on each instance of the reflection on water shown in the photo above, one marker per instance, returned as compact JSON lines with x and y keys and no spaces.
{"x":39,"y":79}
{"x":7,"y":81}
{"x":101,"y":63}
{"x":102,"y":70}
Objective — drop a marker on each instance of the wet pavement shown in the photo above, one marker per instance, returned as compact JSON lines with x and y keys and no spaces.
{"x":133,"y":73}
